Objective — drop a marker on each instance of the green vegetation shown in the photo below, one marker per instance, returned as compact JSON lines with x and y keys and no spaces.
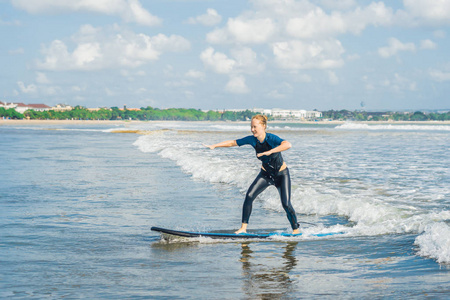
{"x":10,"y":113}
{"x":144,"y":114}
{"x":181,"y":114}
{"x":346,"y":115}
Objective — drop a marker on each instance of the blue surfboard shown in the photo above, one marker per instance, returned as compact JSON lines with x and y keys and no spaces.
{"x":214,"y":235}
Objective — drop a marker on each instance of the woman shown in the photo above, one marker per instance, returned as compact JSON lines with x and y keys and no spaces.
{"x":273,"y":171}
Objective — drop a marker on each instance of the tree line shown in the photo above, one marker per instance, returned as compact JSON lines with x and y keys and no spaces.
{"x":114,"y":113}
{"x":181,"y":114}
{"x":346,"y":115}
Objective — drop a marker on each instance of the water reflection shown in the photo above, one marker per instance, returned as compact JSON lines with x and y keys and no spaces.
{"x":267,"y":274}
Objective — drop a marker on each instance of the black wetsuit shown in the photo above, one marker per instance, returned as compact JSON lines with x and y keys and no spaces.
{"x":269,"y":175}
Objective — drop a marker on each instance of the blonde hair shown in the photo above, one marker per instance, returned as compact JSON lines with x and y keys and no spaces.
{"x":262,"y":119}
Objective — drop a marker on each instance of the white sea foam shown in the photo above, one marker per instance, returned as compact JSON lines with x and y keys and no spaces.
{"x":195,"y":159}
{"x":409,"y":127}
{"x":435,"y":242}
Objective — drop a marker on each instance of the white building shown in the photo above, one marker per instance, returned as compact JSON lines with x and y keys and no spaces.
{"x":21,"y":107}
{"x":7,"y":105}
{"x":283,"y":114}
{"x":62,"y":107}
{"x":290,"y":114}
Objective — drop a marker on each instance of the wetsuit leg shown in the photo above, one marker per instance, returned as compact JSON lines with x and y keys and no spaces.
{"x":260,"y":183}
{"x":283,"y":184}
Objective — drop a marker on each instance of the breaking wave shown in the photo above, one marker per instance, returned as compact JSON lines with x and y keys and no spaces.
{"x":409,"y":127}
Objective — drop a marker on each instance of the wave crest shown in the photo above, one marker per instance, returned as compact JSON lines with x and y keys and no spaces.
{"x":403,"y":127}
{"x":435,"y":242}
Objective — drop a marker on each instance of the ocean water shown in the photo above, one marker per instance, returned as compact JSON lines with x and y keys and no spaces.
{"x":77,"y":202}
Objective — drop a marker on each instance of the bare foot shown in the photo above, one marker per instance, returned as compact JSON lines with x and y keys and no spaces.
{"x":243,"y":229}
{"x":296,"y":231}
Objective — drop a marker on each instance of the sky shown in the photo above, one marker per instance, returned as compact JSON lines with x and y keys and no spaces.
{"x":233,"y":54}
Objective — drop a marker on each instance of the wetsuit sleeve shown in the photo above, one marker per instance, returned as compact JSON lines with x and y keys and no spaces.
{"x":248,"y":140}
{"x":274,"y":140}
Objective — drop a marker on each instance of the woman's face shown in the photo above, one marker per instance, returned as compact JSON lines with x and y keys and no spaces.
{"x":258,"y":129}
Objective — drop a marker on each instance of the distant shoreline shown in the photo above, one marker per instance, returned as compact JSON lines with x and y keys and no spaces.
{"x":54,"y":122}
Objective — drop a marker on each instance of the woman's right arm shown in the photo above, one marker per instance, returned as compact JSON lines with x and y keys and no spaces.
{"x":231,"y":143}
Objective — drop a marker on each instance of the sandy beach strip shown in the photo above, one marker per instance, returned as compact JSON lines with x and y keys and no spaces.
{"x":62,"y":122}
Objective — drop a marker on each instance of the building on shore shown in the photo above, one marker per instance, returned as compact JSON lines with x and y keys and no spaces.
{"x":282,"y":114}
{"x":21,"y":107}
{"x":5,"y":105}
{"x":292,"y":114}
{"x":62,"y":107}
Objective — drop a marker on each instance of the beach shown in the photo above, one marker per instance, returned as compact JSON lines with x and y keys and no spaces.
{"x":77,"y":203}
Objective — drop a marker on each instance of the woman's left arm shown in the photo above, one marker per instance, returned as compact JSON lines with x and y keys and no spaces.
{"x":285,"y":145}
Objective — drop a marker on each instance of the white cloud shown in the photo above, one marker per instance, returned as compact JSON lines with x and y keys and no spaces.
{"x":109,"y":92}
{"x":237,"y":85}
{"x":428,"y":44}
{"x":168,"y":70}
{"x":353,"y":57}
{"x":42,"y":78}
{"x":194,"y":74}
{"x":394,"y":47}
{"x":211,"y":18}
{"x":368,"y":84}
{"x":275,"y":94}
{"x":180,"y":83}
{"x":338,"y":5}
{"x":302,"y":78}
{"x":128,"y":10}
{"x":41,"y":87}
{"x":396,"y":83}
{"x":76,"y":88}
{"x":246,"y":61}
{"x":439,"y":75}
{"x":10,"y":23}
{"x":251,"y":31}
{"x":244,"y":31}
{"x":301,"y":34}
{"x":399,"y":84}
{"x":319,"y":54}
{"x":403,"y":83}
{"x":140,"y":91}
{"x":27,"y":89}
{"x":98,"y":48}
{"x":281,"y":91}
{"x":17,"y":51}
{"x":189,"y":94}
{"x":242,"y":60}
{"x":316,"y":23}
{"x":439,"y":34}
{"x":217,"y":61}
{"x":333,"y":78}
{"x":432,"y":12}
{"x":51,"y":90}
{"x":271,"y":21}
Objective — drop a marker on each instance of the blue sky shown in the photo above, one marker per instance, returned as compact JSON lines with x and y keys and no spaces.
{"x":215,"y":54}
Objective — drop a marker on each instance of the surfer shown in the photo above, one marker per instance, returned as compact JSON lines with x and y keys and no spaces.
{"x":274,"y":170}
